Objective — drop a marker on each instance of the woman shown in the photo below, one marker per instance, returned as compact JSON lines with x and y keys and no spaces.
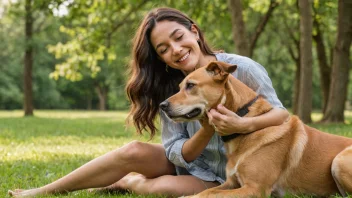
{"x":168,"y":45}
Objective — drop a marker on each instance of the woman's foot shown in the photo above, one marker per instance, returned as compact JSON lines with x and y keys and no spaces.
{"x":24,"y":193}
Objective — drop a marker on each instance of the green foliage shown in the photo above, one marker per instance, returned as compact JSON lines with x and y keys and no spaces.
{"x":48,"y":94}
{"x":91,"y":38}
{"x":10,"y":69}
{"x":91,"y":44}
{"x":76,"y":58}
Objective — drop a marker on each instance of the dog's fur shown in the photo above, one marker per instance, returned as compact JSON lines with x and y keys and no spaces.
{"x":290,"y":158}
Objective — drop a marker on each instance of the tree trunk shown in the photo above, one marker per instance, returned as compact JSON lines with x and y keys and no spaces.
{"x":89,"y":101}
{"x":305,"y":88}
{"x":296,"y":57}
{"x":341,"y":64}
{"x":296,"y":88}
{"x":28,"y":61}
{"x":245,"y":46}
{"x":102,"y":95}
{"x":324,"y":68}
{"x":238,"y":28}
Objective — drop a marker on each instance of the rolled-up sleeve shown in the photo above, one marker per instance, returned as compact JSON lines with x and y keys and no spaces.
{"x":173,"y":136}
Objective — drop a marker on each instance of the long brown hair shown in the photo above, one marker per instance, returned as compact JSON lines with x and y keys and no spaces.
{"x":150,"y":83}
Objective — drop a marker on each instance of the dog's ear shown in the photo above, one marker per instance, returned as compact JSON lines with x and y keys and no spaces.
{"x":220,"y":70}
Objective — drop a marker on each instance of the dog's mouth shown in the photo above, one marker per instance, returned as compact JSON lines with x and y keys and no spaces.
{"x":194,"y":113}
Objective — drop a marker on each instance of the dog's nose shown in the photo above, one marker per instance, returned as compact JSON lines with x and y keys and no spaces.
{"x":164,"y":105}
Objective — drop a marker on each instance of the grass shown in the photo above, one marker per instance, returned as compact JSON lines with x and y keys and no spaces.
{"x":37,"y":150}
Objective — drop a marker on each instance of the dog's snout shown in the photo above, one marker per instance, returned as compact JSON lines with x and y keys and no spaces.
{"x":164,"y":105}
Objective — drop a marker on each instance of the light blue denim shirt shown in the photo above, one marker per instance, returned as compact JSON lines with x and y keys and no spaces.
{"x":210,"y":165}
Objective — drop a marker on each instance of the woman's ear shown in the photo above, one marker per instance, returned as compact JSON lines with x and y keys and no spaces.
{"x":194,"y":30}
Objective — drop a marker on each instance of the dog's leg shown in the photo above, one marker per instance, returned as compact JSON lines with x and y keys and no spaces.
{"x":225,"y":186}
{"x":245,"y":191}
{"x":342,"y":171}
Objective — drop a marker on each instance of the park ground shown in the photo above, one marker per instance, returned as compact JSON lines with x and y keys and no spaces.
{"x":37,"y":150}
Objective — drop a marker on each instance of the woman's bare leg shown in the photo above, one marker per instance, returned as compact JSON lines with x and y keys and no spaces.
{"x":168,"y":185}
{"x":147,"y":159}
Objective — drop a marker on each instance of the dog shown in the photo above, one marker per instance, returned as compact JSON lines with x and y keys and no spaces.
{"x":290,"y":158}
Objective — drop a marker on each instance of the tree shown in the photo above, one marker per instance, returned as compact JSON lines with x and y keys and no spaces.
{"x":28,"y":60}
{"x":292,"y":43}
{"x":44,"y":90}
{"x":324,"y":26}
{"x":305,"y":85}
{"x":244,"y":46}
{"x":324,"y":67}
{"x":33,"y":10}
{"x":90,"y":48}
{"x":341,"y":64}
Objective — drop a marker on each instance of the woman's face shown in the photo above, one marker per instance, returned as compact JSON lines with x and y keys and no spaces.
{"x":176,"y":45}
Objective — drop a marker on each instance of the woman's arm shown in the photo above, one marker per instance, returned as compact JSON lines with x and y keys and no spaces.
{"x":194,"y":146}
{"x":228,"y":122}
{"x":179,"y":147}
{"x":255,"y":77}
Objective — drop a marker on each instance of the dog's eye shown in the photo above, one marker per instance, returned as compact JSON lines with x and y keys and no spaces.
{"x":190,"y":86}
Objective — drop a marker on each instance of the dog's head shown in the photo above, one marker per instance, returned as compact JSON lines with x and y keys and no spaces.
{"x":200,"y":91}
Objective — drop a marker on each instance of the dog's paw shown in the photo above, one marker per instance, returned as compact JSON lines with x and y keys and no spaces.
{"x":190,"y":196}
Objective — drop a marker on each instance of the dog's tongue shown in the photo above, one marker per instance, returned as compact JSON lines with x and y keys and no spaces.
{"x":193,"y":113}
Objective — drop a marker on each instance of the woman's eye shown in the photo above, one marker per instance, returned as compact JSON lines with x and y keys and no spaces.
{"x":163,"y":51}
{"x":179,"y":38}
{"x":189,"y":86}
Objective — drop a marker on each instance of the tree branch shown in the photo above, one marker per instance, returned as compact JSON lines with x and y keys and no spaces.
{"x":39,"y":26}
{"x":292,"y":54}
{"x":291,"y":35}
{"x":262,"y":24}
{"x":124,"y":19}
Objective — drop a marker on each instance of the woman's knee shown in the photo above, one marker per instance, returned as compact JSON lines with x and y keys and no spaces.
{"x":135,"y":151}
{"x":132,"y":150}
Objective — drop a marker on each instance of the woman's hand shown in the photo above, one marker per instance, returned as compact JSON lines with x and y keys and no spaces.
{"x":227,"y":122}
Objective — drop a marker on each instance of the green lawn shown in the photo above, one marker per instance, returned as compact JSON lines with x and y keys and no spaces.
{"x":37,"y":150}
{"x":40,"y":149}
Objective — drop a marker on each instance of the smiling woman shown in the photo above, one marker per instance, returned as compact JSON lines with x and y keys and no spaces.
{"x":178,"y":46}
{"x":190,"y":159}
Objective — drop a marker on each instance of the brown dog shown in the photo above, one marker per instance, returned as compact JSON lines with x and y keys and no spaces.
{"x":290,"y":158}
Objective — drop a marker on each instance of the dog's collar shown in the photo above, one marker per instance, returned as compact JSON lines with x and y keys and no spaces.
{"x":244,"y":110}
{"x":241,"y":112}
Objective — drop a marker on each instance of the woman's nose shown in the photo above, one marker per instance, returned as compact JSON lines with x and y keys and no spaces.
{"x":176,"y":49}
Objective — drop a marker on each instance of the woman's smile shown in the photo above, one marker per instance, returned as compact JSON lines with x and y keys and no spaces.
{"x":184,"y":57}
